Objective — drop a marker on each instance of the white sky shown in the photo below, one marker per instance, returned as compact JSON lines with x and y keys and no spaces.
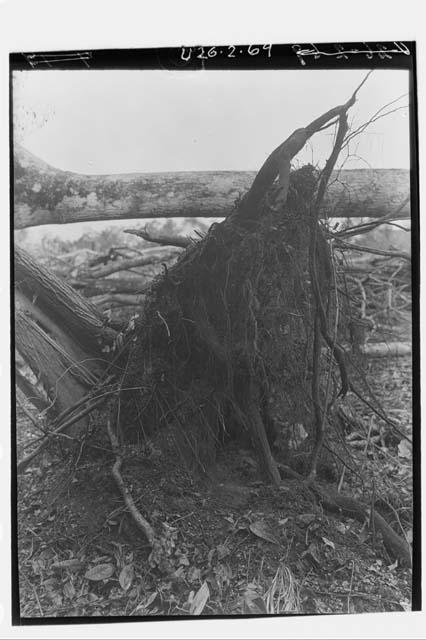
{"x":123,"y":121}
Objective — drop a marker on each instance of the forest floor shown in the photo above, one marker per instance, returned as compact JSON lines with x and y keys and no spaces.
{"x":230,"y":543}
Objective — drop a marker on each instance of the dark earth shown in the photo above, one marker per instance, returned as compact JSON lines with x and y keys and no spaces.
{"x":230,"y":542}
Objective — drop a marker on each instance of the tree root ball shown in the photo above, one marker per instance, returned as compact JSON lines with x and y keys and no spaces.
{"x":223,"y":345}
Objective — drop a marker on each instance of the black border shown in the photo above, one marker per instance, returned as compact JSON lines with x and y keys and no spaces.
{"x":344,"y":56}
{"x":415,"y":288}
{"x":349,"y":55}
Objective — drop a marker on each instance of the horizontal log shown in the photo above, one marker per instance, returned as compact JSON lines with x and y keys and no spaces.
{"x":45,"y":195}
{"x":149,"y":257}
{"x":386,"y":349}
{"x":90,"y":287}
{"x":119,"y":299}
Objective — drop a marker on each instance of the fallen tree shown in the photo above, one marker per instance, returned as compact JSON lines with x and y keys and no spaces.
{"x":241,"y":332}
{"x":46,"y":195}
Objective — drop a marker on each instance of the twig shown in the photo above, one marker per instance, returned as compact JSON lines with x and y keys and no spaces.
{"x":379,"y":413}
{"x":379,"y":252}
{"x":21,"y":466}
{"x":369,"y":226}
{"x":140,"y":521}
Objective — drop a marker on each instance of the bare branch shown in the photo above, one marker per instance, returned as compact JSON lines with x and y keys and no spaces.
{"x":376,"y":116}
{"x":162,"y":239}
{"x":379,"y":252}
{"x":278,"y":162}
{"x":151,"y":256}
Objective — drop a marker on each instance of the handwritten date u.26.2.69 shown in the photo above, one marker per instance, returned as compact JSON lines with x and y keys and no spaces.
{"x":229,"y":51}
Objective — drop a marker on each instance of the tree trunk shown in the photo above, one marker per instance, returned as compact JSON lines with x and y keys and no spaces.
{"x":54,"y":367}
{"x":45,"y":195}
{"x":58,"y":333}
{"x":51,"y":298}
{"x":31,"y":392}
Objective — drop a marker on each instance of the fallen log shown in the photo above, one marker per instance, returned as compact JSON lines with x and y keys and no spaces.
{"x":90,"y":287}
{"x":150,"y":256}
{"x":46,"y":195}
{"x":119,"y":299}
{"x":386,"y":349}
{"x":58,"y":302}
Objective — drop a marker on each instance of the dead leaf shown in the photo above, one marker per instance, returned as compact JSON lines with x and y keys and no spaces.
{"x":56,"y":598}
{"x":306,"y":518}
{"x":223,"y":574}
{"x":194,"y":574}
{"x":126,"y":576}
{"x":200,"y":600}
{"x":312,"y":554}
{"x":100,"y":572}
{"x":405,"y":449}
{"x":222,"y":551}
{"x":69,"y":590}
{"x":329,"y":543}
{"x":341,"y":527}
{"x":254,"y":607}
{"x":73,"y":563}
{"x":150,"y":599}
{"x":50,"y":584}
{"x":252,"y":602}
{"x":261,"y":529}
{"x":143,"y":606}
{"x":406,"y":606}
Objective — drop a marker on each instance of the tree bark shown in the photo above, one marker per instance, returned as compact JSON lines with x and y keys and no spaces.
{"x":45,"y":195}
{"x":55,"y":368}
{"x":58,"y":333}
{"x":52,"y":298}
{"x":150,"y":256}
{"x":90,"y":287}
{"x":31,"y":392}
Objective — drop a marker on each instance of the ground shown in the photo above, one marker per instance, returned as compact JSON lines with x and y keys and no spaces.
{"x":230,"y":542}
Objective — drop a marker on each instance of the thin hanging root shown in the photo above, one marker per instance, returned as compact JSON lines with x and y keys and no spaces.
{"x":319,"y":421}
{"x":140,"y":521}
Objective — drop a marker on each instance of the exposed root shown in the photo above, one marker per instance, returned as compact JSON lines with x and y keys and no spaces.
{"x":140,"y":521}
{"x":395,"y":544}
{"x":334,"y":502}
